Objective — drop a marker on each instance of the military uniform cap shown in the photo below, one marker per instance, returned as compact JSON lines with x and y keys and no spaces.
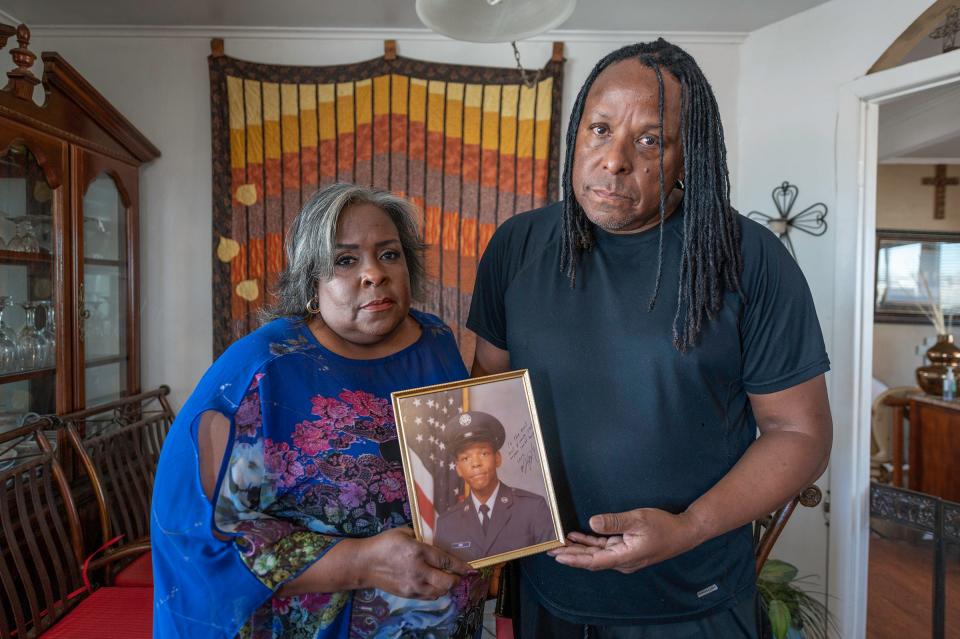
{"x":474,"y":425}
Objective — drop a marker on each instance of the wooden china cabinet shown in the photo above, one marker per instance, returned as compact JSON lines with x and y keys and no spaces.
{"x":69,"y":273}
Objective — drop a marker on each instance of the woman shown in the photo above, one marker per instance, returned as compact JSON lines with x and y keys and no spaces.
{"x":279,"y":507}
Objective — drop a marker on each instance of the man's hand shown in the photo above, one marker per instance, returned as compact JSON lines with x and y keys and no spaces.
{"x":792,"y":451}
{"x":629,"y":541}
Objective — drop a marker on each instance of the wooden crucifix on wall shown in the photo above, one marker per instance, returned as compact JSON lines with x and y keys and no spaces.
{"x":940,"y":182}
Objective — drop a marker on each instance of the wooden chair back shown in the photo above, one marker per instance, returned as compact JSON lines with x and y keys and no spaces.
{"x":40,"y":537}
{"x":766,"y":531}
{"x":118,"y":444}
{"x":887,"y":415}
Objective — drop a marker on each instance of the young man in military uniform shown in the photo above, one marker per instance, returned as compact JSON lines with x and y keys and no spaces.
{"x":495,"y":518}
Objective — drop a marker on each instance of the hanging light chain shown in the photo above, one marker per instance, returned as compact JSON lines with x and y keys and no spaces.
{"x":524,"y":75}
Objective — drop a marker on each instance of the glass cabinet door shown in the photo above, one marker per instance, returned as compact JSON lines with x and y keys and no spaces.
{"x":104,"y":306}
{"x":28,"y":328}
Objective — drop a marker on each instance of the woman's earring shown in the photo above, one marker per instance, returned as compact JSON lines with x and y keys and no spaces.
{"x":679,"y":184}
{"x":313,"y":306}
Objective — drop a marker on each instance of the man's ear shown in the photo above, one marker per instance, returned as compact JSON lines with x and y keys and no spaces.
{"x":498,"y":459}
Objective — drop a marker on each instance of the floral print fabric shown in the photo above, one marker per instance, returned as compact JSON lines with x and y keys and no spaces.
{"x":314,"y":459}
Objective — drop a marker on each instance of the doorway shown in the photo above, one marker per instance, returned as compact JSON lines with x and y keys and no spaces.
{"x":914,"y":563}
{"x":859,"y":345}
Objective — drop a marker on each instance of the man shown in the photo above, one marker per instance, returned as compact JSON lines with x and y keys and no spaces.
{"x":662,"y":331}
{"x":495,"y":518}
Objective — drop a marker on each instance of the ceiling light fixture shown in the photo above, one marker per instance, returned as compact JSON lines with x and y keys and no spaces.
{"x":495,"y":20}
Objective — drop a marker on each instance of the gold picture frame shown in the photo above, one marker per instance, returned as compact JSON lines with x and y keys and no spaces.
{"x":462,"y":442}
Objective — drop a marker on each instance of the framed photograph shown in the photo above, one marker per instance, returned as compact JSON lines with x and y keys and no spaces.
{"x":915,"y":268}
{"x":475,"y":467}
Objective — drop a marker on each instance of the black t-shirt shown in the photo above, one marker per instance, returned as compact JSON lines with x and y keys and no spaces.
{"x":628,"y":420}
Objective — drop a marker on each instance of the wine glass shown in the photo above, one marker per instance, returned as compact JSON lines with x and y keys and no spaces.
{"x":33,"y":346}
{"x":5,"y":302}
{"x":15,"y":243}
{"x":49,"y":331}
{"x":6,"y":232}
{"x":9,"y":355}
{"x":30,"y":242}
{"x":9,"y":351}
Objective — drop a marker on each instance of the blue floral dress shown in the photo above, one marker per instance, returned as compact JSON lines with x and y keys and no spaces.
{"x":313,"y":458}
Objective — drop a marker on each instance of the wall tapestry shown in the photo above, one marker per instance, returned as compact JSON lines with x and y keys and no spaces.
{"x":470,"y":146}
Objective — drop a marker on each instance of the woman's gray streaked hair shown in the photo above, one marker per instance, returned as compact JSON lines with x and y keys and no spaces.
{"x":311,"y":244}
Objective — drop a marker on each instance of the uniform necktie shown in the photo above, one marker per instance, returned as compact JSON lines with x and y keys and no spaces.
{"x":484,"y":517}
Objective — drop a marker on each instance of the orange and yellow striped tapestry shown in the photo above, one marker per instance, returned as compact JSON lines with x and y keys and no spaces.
{"x":470,"y":146}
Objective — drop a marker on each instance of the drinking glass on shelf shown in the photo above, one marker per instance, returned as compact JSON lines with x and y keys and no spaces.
{"x":7,"y":231}
{"x":9,"y":355}
{"x":49,"y":331}
{"x":9,"y":351}
{"x":30,"y":242}
{"x":24,"y":239}
{"x":41,"y":228}
{"x":32,"y":345}
{"x":6,"y":302}
{"x":16,"y":242}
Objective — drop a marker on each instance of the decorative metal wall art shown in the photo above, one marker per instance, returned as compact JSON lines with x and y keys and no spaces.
{"x":948,"y":30}
{"x":810,"y":220}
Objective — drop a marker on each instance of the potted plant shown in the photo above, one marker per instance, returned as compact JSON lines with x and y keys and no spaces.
{"x":793,"y":612}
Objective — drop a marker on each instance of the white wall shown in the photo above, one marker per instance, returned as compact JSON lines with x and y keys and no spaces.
{"x":159,"y":80}
{"x":905,"y":203}
{"x":895,"y":358}
{"x":790,"y":80}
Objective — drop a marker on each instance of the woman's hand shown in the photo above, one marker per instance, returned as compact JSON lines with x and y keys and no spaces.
{"x":394,"y":561}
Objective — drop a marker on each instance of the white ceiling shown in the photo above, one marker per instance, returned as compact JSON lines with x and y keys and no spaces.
{"x":948,"y":149}
{"x":613,"y":15}
{"x":924,"y":125}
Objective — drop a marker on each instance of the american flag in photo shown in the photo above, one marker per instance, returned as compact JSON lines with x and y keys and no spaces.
{"x":432,"y":462}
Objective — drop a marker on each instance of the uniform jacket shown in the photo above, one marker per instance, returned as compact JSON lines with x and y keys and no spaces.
{"x":520,"y":518}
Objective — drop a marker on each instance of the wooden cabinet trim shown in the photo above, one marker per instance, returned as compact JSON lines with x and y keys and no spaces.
{"x":49,"y":151}
{"x":75,"y":135}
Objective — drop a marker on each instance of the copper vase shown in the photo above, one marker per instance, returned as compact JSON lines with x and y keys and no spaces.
{"x":942,"y":355}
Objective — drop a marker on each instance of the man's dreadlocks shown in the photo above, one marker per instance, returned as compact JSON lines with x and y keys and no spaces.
{"x":710,"y":261}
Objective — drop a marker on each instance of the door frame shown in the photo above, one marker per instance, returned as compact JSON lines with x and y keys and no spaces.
{"x":856,"y":153}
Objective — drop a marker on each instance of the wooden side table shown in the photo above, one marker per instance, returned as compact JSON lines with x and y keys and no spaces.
{"x":934,"y":446}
